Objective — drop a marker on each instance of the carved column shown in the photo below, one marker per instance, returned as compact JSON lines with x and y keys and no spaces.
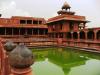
{"x":72,"y":42}
{"x":86,"y":37}
{"x":78,"y":35}
{"x":72,"y":35}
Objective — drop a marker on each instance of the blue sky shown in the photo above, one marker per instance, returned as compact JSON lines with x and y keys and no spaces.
{"x":49,"y":8}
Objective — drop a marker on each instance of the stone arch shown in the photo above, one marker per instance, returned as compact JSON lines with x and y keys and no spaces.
{"x":90,"y":35}
{"x":82,"y":35}
{"x":69,"y":36}
{"x":75,"y":35}
{"x":98,"y":35}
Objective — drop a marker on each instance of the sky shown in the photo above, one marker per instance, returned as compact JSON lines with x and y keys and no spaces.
{"x":48,"y":8}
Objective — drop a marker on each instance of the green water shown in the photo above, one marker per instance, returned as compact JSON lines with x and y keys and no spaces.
{"x":65,"y":61}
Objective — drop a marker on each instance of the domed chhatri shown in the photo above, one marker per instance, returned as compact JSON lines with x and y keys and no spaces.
{"x":65,"y":10}
{"x":66,"y":6}
{"x":9,"y":45}
{"x":21,"y":57}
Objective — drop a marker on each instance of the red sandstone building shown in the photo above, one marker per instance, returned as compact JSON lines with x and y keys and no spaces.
{"x":70,"y":30}
{"x":66,"y":29}
{"x":28,"y":28}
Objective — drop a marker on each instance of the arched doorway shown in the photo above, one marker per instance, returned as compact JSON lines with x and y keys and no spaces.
{"x":98,"y":35}
{"x":90,"y":35}
{"x":82,"y":35}
{"x":69,"y":36}
{"x":75,"y":35}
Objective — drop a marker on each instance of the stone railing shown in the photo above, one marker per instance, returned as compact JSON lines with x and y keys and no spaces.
{"x":9,"y":64}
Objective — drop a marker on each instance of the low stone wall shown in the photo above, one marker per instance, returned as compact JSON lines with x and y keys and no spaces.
{"x":84,"y":44}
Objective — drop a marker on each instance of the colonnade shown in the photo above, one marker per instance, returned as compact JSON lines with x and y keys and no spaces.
{"x":81,"y":35}
{"x":23,"y":31}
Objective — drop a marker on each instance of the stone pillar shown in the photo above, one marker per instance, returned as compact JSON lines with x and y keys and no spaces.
{"x":78,"y":35}
{"x":5,"y":31}
{"x":72,"y":35}
{"x":71,"y":41}
{"x":95,"y":36}
{"x":59,"y":41}
{"x":86,"y":38}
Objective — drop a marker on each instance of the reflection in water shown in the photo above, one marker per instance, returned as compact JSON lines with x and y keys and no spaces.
{"x":64,"y":61}
{"x":47,"y":68}
{"x":92,"y":67}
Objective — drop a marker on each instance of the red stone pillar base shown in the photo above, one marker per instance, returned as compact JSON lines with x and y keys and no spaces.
{"x":27,"y":71}
{"x":59,"y":41}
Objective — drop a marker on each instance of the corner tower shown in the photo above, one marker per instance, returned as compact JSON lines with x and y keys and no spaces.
{"x":65,"y":22}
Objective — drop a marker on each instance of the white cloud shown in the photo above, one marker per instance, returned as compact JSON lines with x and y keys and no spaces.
{"x":48,"y":8}
{"x":9,"y":9}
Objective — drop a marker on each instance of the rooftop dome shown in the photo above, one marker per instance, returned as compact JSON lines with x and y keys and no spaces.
{"x":66,"y":6}
{"x":21,"y":57}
